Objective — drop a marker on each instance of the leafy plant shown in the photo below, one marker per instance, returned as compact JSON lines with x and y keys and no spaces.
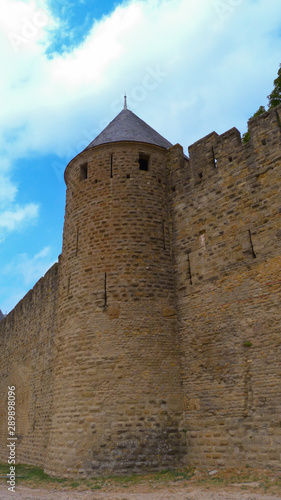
{"x":274,"y":99}
{"x":247,"y":136}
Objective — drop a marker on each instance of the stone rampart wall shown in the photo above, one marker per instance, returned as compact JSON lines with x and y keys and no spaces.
{"x":100,"y":385}
{"x":226,"y":209}
{"x":26,"y":362}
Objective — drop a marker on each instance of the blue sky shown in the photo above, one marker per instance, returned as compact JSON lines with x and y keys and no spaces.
{"x":188,"y":66}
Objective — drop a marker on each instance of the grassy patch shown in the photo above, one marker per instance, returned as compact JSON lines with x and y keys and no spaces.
{"x":29,"y":473}
{"x":267,"y":480}
{"x":35,"y":476}
{"x":74,"y":484}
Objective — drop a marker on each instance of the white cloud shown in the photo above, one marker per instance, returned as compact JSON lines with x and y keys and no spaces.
{"x":8,"y":191}
{"x":17,"y":218}
{"x":21,"y":274}
{"x":21,"y":46}
{"x":29,"y":268}
{"x":208,"y":60}
{"x":188,"y":66}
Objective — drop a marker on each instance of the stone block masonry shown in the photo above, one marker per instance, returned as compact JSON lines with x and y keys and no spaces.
{"x":226,"y":210}
{"x":26,"y":362}
{"x":117,"y":327}
{"x":156,"y":339}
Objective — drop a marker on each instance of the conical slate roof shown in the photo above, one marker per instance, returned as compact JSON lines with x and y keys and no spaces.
{"x":129,"y":127}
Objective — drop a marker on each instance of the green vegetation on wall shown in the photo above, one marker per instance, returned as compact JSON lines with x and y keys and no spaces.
{"x":274,"y":99}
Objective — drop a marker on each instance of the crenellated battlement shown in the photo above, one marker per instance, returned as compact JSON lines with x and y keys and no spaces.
{"x":266,"y":128}
{"x":215,"y":155}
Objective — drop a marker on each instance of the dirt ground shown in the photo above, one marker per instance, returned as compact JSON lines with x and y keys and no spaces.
{"x":140,"y":492}
{"x":185,"y":484}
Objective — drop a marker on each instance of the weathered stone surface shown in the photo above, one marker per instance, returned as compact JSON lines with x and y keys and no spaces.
{"x":116,"y":222}
{"x":113,"y":312}
{"x":27,"y":361}
{"x":225,"y":205}
{"x":169,"y":312}
{"x":156,"y":337}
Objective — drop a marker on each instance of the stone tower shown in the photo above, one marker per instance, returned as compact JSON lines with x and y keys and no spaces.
{"x":117,"y":401}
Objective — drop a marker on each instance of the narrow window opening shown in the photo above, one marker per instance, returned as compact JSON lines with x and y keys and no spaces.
{"x":143,"y":161}
{"x":164,"y":237}
{"x":96,"y":181}
{"x":128,"y":176}
{"x":189,"y":269}
{"x":77,"y":241}
{"x":252,"y":246}
{"x":230,"y":159}
{"x":83,"y":171}
{"x":214,"y":159}
{"x":173,"y":188}
{"x":200,"y":175}
{"x":105,"y":291}
{"x":159,"y":180}
{"x":264,"y":142}
{"x":111,"y":166}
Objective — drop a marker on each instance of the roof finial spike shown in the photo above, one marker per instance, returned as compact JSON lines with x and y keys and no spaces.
{"x":125,"y":101}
